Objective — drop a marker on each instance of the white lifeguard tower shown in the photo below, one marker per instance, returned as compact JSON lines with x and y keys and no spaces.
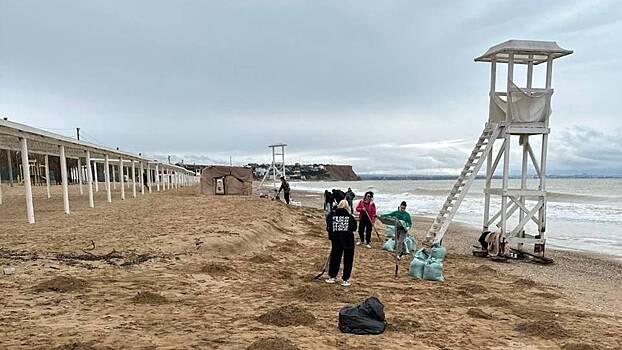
{"x":517,"y":113}
{"x":277,"y":167}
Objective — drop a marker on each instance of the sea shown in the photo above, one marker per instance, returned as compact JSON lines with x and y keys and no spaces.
{"x":583,"y":214}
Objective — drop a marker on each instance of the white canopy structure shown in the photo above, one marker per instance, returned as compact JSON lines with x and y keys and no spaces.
{"x":28,"y":140}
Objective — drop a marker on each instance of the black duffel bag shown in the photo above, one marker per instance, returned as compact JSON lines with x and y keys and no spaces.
{"x":364,"y":318}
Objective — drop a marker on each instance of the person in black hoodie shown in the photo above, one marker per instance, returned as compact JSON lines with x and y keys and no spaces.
{"x":341,"y":225}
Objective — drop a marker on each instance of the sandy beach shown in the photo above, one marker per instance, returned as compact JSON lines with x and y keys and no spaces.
{"x":176,"y":270}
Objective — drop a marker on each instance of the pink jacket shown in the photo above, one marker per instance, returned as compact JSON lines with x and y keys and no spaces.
{"x":370,"y":208}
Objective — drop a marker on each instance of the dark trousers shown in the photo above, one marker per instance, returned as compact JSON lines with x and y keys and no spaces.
{"x":365,"y":227}
{"x":286,"y":195}
{"x":337,"y":251}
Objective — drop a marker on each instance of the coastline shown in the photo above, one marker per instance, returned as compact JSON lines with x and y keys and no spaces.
{"x":581,"y":274}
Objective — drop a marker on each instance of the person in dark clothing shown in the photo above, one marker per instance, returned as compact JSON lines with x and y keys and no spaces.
{"x":338,"y":195}
{"x":285,"y":188}
{"x":350,"y":197}
{"x":328,"y":202}
{"x":341,"y":225}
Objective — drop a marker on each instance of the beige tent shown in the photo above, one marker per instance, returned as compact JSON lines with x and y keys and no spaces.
{"x":224,"y":180}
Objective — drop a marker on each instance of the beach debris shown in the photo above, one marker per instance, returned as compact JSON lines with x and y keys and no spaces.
{"x":92,"y":247}
{"x":61,"y":284}
{"x":364,"y":318}
{"x":289,"y":315}
{"x":149,"y":298}
{"x":8,"y":270}
{"x":273,"y":343}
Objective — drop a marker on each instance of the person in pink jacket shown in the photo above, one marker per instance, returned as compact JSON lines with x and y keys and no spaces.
{"x":367,"y":218}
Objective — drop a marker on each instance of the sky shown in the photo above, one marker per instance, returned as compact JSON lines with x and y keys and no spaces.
{"x":387,"y":86}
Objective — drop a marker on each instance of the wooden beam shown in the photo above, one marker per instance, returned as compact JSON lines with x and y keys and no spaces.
{"x":107,"y":176}
{"x":121,"y":179}
{"x":30,"y":210}
{"x":64,"y":180}
{"x":47,"y":176}
{"x":89,"y":179}
{"x":142,"y":183}
{"x":134,"y":179}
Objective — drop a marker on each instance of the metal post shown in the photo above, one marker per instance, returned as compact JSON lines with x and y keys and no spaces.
{"x":114,"y":178}
{"x":157,"y":178}
{"x":80,"y":176}
{"x":64,"y":181}
{"x":142,"y":182}
{"x":133,"y":178}
{"x":107,"y":178}
{"x":8,"y":156}
{"x":121,"y":179}
{"x":95,"y":177}
{"x":149,"y":177}
{"x":47,"y":176}
{"x":30,"y":210}
{"x":89,"y":179}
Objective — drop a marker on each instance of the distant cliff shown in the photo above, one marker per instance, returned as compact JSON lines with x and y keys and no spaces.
{"x":341,"y":173}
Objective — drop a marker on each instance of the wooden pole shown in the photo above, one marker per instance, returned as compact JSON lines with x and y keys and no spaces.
{"x":89,"y":179}
{"x":114,"y":178}
{"x":134,"y":179}
{"x":157,"y":178}
{"x":149,"y":177}
{"x":30,"y":210}
{"x":80,"y":176}
{"x":47,"y":176}
{"x":121,"y":179}
{"x":8,"y":156}
{"x":64,"y":180}
{"x":95,"y":177}
{"x":142,"y":182}
{"x":107,"y":176}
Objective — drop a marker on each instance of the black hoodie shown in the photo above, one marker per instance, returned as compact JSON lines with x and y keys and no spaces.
{"x":341,"y":225}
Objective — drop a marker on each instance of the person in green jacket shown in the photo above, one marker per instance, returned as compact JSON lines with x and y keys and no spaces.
{"x":400,"y":234}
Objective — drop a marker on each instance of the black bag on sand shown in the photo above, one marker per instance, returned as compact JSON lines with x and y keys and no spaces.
{"x":364,"y":318}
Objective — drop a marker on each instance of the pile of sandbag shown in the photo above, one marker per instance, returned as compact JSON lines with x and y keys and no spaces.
{"x":428,"y":265}
{"x":409,"y":245}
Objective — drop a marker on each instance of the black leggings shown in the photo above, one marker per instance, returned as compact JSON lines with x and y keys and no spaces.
{"x":365,"y":227}
{"x":338,"y":250}
{"x":286,"y":195}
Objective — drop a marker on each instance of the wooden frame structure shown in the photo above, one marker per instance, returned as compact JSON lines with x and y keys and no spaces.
{"x":517,"y":112}
{"x":277,"y":168}
{"x":28,"y":140}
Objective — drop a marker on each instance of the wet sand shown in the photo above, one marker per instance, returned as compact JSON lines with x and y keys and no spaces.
{"x":175,"y":270}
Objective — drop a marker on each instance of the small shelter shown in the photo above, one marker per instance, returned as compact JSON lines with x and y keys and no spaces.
{"x":225,"y":180}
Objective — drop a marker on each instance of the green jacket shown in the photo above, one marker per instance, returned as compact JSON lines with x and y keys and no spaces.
{"x":401,"y":215}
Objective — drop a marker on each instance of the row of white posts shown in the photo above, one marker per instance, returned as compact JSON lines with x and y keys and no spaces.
{"x":165,"y":178}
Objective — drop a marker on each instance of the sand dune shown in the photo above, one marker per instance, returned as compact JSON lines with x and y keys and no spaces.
{"x":179,"y":271}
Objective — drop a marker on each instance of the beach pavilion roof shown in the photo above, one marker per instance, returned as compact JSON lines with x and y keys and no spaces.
{"x":28,"y":140}
{"x":524,"y":51}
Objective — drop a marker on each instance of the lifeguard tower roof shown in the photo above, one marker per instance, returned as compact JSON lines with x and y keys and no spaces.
{"x":523,"y":49}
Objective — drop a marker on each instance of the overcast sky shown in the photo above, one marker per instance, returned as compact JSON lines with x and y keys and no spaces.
{"x":387,"y":86}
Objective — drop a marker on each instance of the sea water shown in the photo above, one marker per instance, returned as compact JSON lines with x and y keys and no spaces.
{"x":582,"y":214}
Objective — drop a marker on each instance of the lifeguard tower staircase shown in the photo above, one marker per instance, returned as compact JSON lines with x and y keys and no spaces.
{"x":277,"y":168}
{"x":517,"y":113}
